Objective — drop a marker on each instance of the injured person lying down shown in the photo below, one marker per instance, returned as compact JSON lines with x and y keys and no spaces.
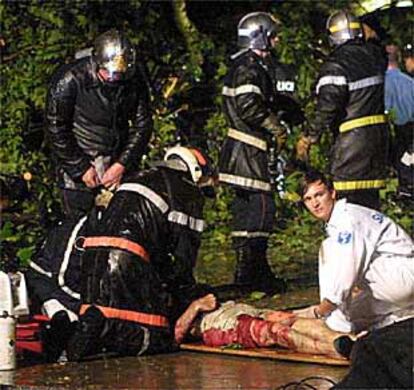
{"x":240,"y":324}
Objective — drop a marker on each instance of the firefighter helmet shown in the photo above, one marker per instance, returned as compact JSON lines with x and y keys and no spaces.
{"x":255,"y":31}
{"x":342,"y":27}
{"x":114,"y":56}
{"x":197,"y":162}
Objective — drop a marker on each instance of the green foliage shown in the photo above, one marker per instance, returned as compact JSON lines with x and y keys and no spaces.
{"x":38,"y":36}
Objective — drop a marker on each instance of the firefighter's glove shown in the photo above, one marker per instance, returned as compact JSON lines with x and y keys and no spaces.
{"x":277,"y":129}
{"x":303,"y":148}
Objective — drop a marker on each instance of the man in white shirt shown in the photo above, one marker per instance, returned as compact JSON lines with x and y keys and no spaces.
{"x":366,"y":281}
{"x":366,"y":264}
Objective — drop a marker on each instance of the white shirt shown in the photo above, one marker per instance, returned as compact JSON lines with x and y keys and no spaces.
{"x":366,"y":249}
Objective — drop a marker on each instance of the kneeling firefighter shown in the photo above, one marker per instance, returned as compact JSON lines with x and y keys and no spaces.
{"x":131,"y":260}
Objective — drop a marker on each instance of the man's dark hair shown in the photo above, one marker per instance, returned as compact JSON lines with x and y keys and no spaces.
{"x":311,"y":177}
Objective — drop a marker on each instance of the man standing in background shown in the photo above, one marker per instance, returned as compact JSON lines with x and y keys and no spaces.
{"x":350,"y":103}
{"x":98,"y":121}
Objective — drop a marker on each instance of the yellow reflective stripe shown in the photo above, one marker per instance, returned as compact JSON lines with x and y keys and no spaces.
{"x":364,"y":121}
{"x":358,"y":185}
{"x":339,"y":27}
{"x":247,"y":139}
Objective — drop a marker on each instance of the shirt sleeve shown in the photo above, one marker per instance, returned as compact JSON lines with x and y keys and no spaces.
{"x":340,"y":259}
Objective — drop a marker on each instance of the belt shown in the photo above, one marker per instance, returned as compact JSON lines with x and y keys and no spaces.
{"x":130,"y":315}
{"x":364,"y":121}
{"x":116,"y":242}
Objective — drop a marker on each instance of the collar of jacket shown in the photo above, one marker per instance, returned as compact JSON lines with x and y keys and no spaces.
{"x":92,"y":80}
{"x":337,"y":215}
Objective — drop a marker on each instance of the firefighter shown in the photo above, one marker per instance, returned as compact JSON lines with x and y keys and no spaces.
{"x":120,"y":268}
{"x":98,"y":121}
{"x":350,"y":102}
{"x":249,"y":153}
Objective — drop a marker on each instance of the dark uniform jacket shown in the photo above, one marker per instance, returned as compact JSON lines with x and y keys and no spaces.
{"x":249,"y":95}
{"x":86,"y":118}
{"x":129,"y":261}
{"x":350,"y":102}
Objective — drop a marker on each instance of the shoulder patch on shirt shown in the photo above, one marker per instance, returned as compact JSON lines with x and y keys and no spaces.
{"x":344,"y":237}
{"x":378,"y":217}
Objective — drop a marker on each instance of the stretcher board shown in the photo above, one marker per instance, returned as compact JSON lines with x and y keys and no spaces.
{"x":268,"y":353}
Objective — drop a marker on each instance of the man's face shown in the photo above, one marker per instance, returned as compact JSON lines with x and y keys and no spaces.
{"x":319,"y":200}
{"x":409,"y":65}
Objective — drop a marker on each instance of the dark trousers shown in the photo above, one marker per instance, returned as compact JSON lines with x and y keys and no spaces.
{"x":402,"y":150}
{"x":366,"y":198}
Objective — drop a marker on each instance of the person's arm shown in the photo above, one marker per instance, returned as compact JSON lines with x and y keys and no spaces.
{"x":60,"y":108}
{"x":184,"y":323}
{"x":332,"y":96}
{"x":140,"y":130}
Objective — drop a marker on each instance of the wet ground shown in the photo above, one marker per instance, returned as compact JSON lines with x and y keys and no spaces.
{"x":183,"y":370}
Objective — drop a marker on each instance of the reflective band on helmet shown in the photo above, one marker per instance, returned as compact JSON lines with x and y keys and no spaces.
{"x":247,"y":139}
{"x":358,"y":185}
{"x":364,"y":121}
{"x":118,"y":243}
{"x":339,"y":27}
{"x":129,"y":315}
{"x":247,"y":88}
{"x":244,"y":182}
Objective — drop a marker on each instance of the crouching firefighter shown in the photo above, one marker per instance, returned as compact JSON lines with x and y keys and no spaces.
{"x":254,"y":138}
{"x":132,"y":261}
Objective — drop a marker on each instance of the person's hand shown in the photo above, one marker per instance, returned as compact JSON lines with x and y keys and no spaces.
{"x":90,"y":178}
{"x":206,"y":303}
{"x":113,"y":175}
{"x":302,"y":148}
{"x":307,"y":312}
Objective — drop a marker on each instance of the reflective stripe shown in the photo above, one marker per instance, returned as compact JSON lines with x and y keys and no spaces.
{"x":247,"y":139}
{"x":118,"y":243}
{"x":364,"y":121}
{"x":249,"y":234}
{"x":330,"y":80}
{"x":367,"y":82}
{"x":358,"y":185}
{"x":129,"y":315}
{"x":186,"y":220}
{"x":39,"y":269}
{"x":145,"y":342}
{"x":66,"y":258}
{"x":247,"y":88}
{"x":52,"y":306}
{"x":244,"y":182}
{"x":147,"y":193}
{"x":340,"y":27}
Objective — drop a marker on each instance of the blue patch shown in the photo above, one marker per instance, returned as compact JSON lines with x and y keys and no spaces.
{"x":378,"y":217}
{"x":344,"y":237}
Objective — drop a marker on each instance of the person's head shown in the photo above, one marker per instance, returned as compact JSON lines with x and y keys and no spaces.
{"x":318,"y":195}
{"x":408,"y":55}
{"x":342,"y":27}
{"x":257,"y":31}
{"x":199,"y":165}
{"x":114,"y":57}
{"x":393,"y":54}
{"x":372,"y":28}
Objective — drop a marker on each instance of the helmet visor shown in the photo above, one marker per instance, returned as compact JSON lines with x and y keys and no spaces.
{"x":116,"y":65}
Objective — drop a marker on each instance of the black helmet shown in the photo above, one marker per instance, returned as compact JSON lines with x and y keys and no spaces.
{"x":114,"y":56}
{"x":255,"y":30}
{"x":342,"y":27}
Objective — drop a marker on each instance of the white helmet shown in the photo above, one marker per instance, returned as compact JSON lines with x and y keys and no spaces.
{"x":198,"y":163}
{"x":342,"y":27}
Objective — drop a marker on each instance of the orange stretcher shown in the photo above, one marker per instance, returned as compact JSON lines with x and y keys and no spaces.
{"x":268,"y":353}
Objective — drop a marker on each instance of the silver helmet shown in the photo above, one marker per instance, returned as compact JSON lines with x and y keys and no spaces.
{"x":114,"y":56}
{"x":342,"y":27}
{"x":255,"y":30}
